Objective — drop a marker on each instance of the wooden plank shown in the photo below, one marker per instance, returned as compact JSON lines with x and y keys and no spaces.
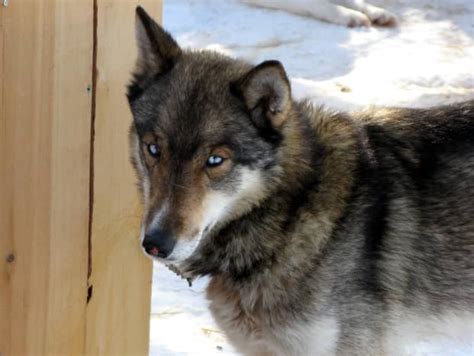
{"x":118,"y":313}
{"x":5,"y":224}
{"x":44,"y":167}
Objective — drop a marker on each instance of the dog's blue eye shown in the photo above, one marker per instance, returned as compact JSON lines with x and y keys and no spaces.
{"x":214,"y":161}
{"x":153,"y":150}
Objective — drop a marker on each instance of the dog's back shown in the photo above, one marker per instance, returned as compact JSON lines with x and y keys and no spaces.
{"x":424,"y":159}
{"x":411,"y":220}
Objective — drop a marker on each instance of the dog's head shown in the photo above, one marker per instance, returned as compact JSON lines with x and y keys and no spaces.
{"x":204,"y":139}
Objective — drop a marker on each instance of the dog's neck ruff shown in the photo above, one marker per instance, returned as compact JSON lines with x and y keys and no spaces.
{"x":263,"y":237}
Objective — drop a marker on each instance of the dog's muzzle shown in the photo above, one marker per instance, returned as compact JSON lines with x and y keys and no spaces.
{"x":158,"y":243}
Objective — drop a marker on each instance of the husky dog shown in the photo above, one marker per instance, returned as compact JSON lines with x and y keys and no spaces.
{"x":343,"y":12}
{"x":323,"y":233}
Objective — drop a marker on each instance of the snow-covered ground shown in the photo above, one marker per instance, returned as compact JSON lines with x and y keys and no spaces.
{"x":428,"y":59}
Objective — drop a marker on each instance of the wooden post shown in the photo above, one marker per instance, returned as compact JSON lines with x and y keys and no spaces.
{"x":72,"y":277}
{"x":44,"y":169}
{"x":121,"y":276}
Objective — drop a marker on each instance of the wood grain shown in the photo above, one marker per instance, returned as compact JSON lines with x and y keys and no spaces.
{"x":45,"y":111}
{"x":119,"y":309}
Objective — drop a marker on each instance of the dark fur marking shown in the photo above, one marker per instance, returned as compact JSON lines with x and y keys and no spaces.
{"x":374,"y":177}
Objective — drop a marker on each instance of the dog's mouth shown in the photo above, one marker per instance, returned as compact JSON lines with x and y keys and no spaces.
{"x":180,"y":267}
{"x":174,"y":263}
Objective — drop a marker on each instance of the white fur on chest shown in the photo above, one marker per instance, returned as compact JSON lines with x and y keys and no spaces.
{"x":320,"y":337}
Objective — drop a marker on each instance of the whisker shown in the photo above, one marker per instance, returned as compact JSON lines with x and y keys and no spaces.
{"x":180,"y":186}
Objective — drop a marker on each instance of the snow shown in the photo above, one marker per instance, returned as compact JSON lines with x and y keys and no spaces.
{"x":180,"y":322}
{"x":428,"y":59}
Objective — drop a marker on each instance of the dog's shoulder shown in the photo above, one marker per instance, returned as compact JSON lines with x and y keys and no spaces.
{"x":435,"y":126}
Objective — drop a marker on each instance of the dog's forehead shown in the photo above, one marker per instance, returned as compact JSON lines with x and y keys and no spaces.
{"x":189,"y":115}
{"x":193,"y":98}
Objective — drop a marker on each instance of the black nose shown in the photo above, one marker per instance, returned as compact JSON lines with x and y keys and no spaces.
{"x":158,"y":243}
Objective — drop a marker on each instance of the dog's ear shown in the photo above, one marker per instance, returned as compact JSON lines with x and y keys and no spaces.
{"x":157,"y":50}
{"x":266,"y":92}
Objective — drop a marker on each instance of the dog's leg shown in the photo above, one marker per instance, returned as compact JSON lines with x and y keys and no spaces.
{"x":377,"y":15}
{"x":320,"y":9}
